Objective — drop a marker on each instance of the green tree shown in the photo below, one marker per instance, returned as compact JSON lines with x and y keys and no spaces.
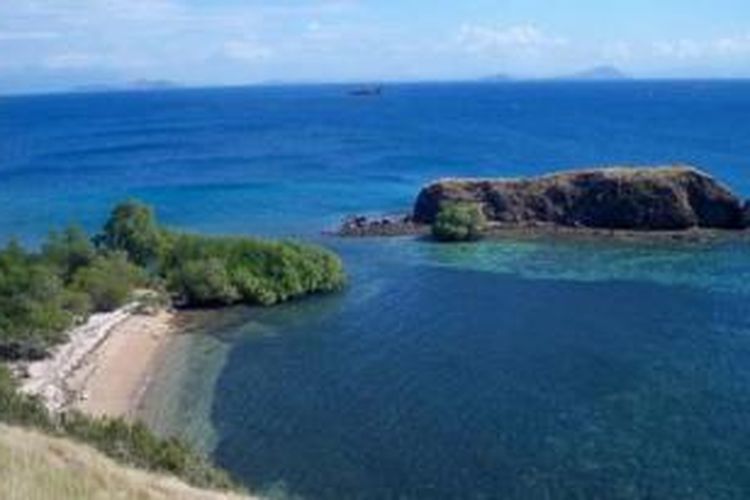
{"x":108,"y":281}
{"x":204,"y":282}
{"x":33,"y":302}
{"x":132,"y":228}
{"x":459,"y":221}
{"x":68,"y":251}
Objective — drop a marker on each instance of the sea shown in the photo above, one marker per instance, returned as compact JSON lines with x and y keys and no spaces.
{"x":505,"y":369}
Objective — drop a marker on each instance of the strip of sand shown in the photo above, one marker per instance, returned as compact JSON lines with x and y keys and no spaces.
{"x":106,"y":365}
{"x":112,"y":383}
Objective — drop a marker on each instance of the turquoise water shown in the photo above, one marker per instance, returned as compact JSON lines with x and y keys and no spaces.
{"x":507,"y":369}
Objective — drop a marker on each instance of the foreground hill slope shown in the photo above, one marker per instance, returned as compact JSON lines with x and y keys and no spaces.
{"x":37,"y":467}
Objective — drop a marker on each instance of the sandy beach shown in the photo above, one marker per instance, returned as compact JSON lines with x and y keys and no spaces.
{"x":105,"y":367}
{"x":117,"y":374}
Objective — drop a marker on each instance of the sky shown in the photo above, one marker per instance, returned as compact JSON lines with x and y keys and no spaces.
{"x":56,"y":44}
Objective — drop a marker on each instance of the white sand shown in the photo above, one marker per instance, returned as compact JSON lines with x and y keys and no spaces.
{"x":104,"y":367}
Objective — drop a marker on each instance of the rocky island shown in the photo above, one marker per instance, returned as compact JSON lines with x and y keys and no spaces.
{"x":654,"y":199}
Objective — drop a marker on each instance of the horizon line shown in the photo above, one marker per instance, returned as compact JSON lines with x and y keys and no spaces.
{"x":165,"y":85}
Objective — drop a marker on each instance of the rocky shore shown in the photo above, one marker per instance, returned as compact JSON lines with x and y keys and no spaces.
{"x":102,"y":368}
{"x":392,"y":225}
{"x":671,"y":200}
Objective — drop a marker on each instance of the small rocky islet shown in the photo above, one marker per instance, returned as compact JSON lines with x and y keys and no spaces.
{"x":670,"y":199}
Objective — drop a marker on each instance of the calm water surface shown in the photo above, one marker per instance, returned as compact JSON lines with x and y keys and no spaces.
{"x":535,"y":369}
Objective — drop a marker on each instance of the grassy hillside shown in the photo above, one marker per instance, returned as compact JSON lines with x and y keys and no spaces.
{"x":34,"y":466}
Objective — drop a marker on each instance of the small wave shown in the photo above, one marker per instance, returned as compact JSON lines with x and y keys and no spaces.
{"x":109,"y":150}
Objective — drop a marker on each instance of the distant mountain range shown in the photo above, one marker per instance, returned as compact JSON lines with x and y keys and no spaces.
{"x":500,"y":77}
{"x":134,"y":85}
{"x":598,"y":73}
{"x":595,"y":74}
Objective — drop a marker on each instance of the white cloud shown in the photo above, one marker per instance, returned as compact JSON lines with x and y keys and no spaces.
{"x":680,"y":49}
{"x":618,"y":51}
{"x":733,"y":46}
{"x":70,"y":60}
{"x":27,"y":35}
{"x":493,"y":40}
{"x":169,"y":38}
{"x":247,"y":51}
{"x":691,"y":49}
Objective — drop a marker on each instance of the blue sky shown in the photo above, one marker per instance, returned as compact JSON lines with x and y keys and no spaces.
{"x":50,"y":44}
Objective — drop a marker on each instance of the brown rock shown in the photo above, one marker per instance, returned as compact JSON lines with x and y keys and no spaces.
{"x":667,"y":198}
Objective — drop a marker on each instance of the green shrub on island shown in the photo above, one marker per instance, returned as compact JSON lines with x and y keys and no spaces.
{"x":130,"y":444}
{"x":459,"y":222}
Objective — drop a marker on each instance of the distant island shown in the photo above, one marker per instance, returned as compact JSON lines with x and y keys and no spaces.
{"x":676,"y":198}
{"x":143,"y":85}
{"x":594,"y":74}
{"x":496,"y":78}
{"x":598,"y":73}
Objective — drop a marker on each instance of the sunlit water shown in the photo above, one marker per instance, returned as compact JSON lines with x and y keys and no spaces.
{"x":507,"y":369}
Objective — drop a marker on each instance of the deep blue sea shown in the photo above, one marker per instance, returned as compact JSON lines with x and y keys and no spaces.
{"x":507,"y":369}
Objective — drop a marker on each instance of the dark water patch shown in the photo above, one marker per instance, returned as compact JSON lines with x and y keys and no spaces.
{"x":448,"y":384}
{"x":114,"y":150}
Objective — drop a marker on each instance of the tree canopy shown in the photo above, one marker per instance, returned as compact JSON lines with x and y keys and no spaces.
{"x":44,"y":293}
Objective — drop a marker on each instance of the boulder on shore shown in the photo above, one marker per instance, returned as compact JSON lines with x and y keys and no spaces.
{"x":665,"y":198}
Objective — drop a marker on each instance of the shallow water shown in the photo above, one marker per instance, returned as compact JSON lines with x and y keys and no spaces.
{"x":507,"y":369}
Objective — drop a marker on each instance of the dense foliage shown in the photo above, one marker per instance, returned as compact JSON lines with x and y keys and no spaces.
{"x":132,"y":228}
{"x":131,"y":444}
{"x":459,"y":222}
{"x":204,"y":270}
{"x":43,"y":293}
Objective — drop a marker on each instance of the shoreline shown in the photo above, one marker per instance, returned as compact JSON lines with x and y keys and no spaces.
{"x":107,"y":364}
{"x":363,"y":227}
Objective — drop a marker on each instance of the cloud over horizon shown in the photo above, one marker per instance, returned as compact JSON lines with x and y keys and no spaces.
{"x":55,"y":43}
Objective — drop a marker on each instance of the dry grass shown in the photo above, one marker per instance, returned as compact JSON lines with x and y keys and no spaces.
{"x":612,"y":172}
{"x":37,"y":467}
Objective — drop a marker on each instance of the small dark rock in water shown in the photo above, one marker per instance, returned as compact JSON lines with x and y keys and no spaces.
{"x":396,"y":225}
{"x":746,"y":214}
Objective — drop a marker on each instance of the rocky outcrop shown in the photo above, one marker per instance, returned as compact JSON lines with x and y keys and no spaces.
{"x":398,"y":225}
{"x":668,"y":198}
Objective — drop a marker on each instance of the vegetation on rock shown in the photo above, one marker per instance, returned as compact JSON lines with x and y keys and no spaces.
{"x":644,"y":199}
{"x":458,"y":221}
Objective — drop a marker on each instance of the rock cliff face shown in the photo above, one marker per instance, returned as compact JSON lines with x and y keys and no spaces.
{"x":668,"y":198}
